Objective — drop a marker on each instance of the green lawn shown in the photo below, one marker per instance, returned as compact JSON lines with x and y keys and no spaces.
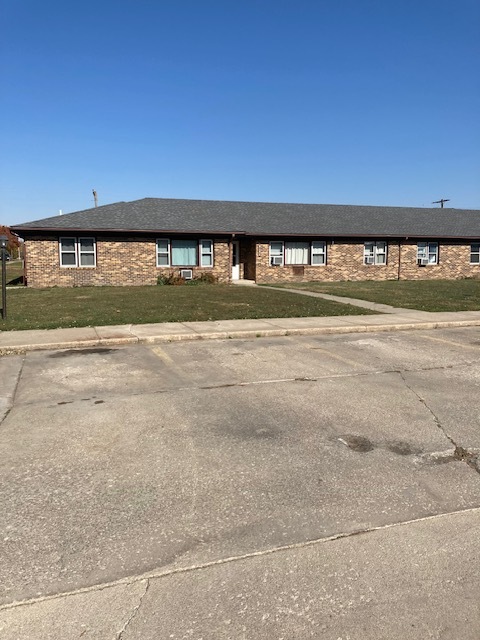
{"x":89,"y":306}
{"x":14,"y":272}
{"x":425,"y":295}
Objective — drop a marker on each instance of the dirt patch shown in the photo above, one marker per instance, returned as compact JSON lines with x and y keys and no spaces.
{"x":402,"y":448}
{"x":357,"y":443}
{"x":81,"y":352}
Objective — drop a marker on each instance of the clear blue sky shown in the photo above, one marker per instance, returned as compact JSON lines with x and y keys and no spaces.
{"x":328,"y":101}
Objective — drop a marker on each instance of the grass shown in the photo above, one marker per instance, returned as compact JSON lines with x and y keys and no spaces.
{"x":424,"y":295}
{"x":90,"y":306}
{"x":14,"y":272}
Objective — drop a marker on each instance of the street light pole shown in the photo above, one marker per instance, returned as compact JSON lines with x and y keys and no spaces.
{"x":3,"y":249}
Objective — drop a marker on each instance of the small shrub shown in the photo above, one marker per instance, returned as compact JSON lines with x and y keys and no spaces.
{"x":172,"y":279}
{"x":207,"y":278}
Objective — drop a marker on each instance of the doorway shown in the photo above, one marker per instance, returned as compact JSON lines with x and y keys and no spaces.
{"x":235,"y":260}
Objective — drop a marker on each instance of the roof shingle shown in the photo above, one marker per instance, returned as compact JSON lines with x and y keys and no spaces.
{"x":163,"y":215}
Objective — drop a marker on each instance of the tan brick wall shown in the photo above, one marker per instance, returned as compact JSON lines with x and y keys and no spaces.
{"x":453,"y":262}
{"x":345,"y":262}
{"x":120,"y":262}
{"x":132,"y":261}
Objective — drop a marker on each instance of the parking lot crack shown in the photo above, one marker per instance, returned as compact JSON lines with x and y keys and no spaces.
{"x":470,"y":457}
{"x":134,"y":612}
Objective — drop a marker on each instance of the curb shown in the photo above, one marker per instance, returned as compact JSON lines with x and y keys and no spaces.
{"x":246,"y":334}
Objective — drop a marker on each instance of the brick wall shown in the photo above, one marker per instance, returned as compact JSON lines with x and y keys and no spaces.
{"x":453,"y":262}
{"x":120,"y":262}
{"x":132,"y":261}
{"x":345,"y":262}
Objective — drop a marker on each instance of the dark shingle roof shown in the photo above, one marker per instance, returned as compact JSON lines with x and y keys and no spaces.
{"x":264,"y":218}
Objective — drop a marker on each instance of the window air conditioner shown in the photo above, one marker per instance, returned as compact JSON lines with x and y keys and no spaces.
{"x":186,"y":274}
{"x":423,"y":262}
{"x":369,"y":260}
{"x":277,"y":261}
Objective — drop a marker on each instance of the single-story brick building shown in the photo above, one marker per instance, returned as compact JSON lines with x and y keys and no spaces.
{"x":132,"y":243}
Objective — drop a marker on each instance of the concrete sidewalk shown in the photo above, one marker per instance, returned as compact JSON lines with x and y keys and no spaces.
{"x":12,"y":342}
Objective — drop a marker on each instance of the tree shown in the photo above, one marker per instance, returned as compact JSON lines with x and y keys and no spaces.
{"x":14,"y":244}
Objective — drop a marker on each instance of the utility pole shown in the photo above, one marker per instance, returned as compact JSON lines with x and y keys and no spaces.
{"x":96,"y":199}
{"x":441,"y":201}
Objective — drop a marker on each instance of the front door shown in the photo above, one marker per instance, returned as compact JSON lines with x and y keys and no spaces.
{"x":235,"y":260}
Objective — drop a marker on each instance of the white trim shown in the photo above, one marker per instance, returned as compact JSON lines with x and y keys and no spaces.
{"x":425,"y":251}
{"x":320,"y":250}
{"x":475,"y":253}
{"x":163,"y":253}
{"x":276,"y":255}
{"x":77,"y":252}
{"x":87,"y":253}
{"x":74,"y":252}
{"x":206,"y":253}
{"x":372,"y":257}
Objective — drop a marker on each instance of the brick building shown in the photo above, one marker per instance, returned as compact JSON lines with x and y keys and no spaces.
{"x":132,"y":243}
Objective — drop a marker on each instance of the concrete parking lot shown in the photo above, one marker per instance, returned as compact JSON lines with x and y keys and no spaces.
{"x":289,"y":487}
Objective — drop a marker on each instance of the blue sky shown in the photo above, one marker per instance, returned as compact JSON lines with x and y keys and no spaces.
{"x":327,"y":101}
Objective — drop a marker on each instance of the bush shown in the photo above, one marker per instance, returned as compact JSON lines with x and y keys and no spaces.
{"x":207,"y":278}
{"x":172,"y":279}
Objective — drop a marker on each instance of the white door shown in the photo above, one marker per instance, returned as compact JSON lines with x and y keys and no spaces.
{"x":235,"y":260}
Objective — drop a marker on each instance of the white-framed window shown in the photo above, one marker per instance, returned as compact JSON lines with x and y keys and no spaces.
{"x":276,"y":253}
{"x":475,"y":253}
{"x":297,"y":253}
{"x":86,"y":252}
{"x":163,"y":252}
{"x":77,"y":252}
{"x":181,"y":252}
{"x":68,"y":252}
{"x":319,"y":252}
{"x":427,"y":253}
{"x":375,"y":252}
{"x":206,"y":253}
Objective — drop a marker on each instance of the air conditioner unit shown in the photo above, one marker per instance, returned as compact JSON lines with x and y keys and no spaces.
{"x":186,"y":274}
{"x":369,"y":260}
{"x":277,"y":261}
{"x":422,"y":262}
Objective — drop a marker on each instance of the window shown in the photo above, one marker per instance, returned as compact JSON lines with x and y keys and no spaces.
{"x":163,"y":252}
{"x":375,"y":252}
{"x":475,"y":253}
{"x":297,"y":253}
{"x":86,"y":252}
{"x":184,"y":253}
{"x":318,"y":252}
{"x":77,"y":252}
{"x":427,"y":253}
{"x":206,"y":253}
{"x":68,"y":252}
{"x":276,"y":253}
